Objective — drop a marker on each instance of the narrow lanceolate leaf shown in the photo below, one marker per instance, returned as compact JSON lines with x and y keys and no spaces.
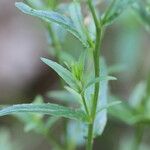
{"x":123,"y":112}
{"x":47,"y":109}
{"x":74,"y":93}
{"x":62,"y":72}
{"x":115,"y":9}
{"x":137,"y":95}
{"x":98,"y":79}
{"x":63,"y":96}
{"x":77,"y":18}
{"x":51,"y":16}
{"x":116,"y":68}
{"x":111,"y":104}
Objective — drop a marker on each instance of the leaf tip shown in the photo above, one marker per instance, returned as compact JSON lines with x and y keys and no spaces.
{"x":18,"y":4}
{"x":43,"y":59}
{"x":23,"y":7}
{"x":112,"y":78}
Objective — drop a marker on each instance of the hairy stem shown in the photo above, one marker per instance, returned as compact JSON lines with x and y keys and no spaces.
{"x":96,"y":59}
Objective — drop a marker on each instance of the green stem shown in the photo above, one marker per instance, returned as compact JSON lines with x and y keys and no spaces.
{"x":92,"y":9}
{"x":96,"y":58}
{"x":85,"y":105}
{"x":138,"y":137}
{"x":89,"y":145}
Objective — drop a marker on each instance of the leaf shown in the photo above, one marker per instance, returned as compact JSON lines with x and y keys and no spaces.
{"x":98,"y":79}
{"x":101,"y":117}
{"x":63,"y":96}
{"x":62,"y":72}
{"x":74,"y":93}
{"x":35,"y":3}
{"x":47,"y":109}
{"x":122,"y":112}
{"x":82,"y":58}
{"x":75,"y":134}
{"x":50,"y":122}
{"x":35,"y":122}
{"x":127,"y":114}
{"x":117,"y":68}
{"x":111,"y":104}
{"x":115,"y":9}
{"x":51,"y":16}
{"x":66,"y":57}
{"x":32,"y":121}
{"x":38,"y":99}
{"x":137,"y":95}
{"x":77,"y":18}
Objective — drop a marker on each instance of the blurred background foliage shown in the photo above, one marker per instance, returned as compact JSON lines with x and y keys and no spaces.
{"x":24,"y":39}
